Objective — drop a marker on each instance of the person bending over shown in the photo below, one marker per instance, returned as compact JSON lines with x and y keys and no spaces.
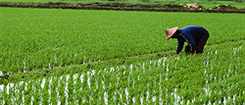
{"x":195,"y":36}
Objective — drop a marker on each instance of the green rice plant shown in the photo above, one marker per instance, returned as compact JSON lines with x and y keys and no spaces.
{"x":34,"y":39}
{"x":217,"y":76}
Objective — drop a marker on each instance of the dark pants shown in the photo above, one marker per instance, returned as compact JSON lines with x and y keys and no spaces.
{"x":200,"y":43}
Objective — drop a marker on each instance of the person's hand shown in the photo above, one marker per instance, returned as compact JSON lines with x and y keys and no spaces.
{"x":198,"y":54}
{"x":176,"y":54}
{"x":192,"y":54}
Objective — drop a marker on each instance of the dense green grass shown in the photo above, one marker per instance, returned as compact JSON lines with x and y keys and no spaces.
{"x":33,"y":39}
{"x":215,"y":3}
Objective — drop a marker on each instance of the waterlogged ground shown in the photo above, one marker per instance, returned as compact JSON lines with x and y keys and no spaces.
{"x":216,"y":77}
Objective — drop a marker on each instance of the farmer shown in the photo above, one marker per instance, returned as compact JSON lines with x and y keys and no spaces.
{"x":195,"y":36}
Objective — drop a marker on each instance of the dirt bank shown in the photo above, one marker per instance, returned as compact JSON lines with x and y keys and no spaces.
{"x":121,"y":7}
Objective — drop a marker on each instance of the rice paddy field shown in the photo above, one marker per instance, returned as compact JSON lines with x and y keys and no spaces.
{"x":56,"y":56}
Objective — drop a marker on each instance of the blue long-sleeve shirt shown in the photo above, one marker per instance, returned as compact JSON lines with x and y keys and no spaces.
{"x":189,"y":34}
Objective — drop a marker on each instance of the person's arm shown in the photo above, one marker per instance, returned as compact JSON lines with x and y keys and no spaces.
{"x":180,"y":46}
{"x":190,"y":40}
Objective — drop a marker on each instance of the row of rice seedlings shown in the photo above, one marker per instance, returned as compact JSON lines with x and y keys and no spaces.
{"x":173,"y":80}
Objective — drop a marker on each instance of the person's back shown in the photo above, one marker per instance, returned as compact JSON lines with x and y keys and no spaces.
{"x":195,"y":31}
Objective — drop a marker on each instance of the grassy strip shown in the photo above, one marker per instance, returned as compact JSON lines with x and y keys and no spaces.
{"x":205,"y":4}
{"x":71,"y":69}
